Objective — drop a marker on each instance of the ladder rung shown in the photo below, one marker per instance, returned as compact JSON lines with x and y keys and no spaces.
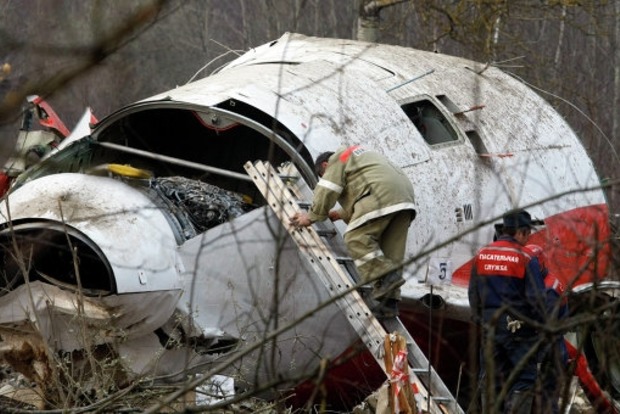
{"x":344,"y":259}
{"x":304,"y":204}
{"x":443,"y":399}
{"x":324,"y":233}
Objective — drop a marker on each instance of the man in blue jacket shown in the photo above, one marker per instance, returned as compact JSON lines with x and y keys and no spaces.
{"x":507,"y":296}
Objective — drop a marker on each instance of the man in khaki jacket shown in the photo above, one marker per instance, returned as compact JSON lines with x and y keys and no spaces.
{"x":377,"y":203}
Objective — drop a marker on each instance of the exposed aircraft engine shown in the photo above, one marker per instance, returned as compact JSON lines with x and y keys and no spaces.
{"x":206,"y":205}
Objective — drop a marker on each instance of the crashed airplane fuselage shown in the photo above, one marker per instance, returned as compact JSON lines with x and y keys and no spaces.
{"x":150,"y":231}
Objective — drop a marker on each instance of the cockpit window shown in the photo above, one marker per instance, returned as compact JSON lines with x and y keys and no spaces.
{"x":430,"y":121}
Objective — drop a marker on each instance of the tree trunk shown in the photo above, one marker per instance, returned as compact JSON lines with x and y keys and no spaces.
{"x":368,"y":19}
{"x":558,"y":49}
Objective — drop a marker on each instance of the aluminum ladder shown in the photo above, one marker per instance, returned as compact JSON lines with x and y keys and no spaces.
{"x":285,"y":191}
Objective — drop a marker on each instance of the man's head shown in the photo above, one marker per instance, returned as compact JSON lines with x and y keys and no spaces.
{"x":518,"y":224}
{"x":320,"y":164}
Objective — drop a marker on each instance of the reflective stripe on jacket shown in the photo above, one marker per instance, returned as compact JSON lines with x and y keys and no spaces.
{"x":505,"y":275}
{"x":365,"y":183}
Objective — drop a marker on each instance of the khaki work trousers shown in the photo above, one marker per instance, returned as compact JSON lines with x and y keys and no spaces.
{"x":378,"y":248}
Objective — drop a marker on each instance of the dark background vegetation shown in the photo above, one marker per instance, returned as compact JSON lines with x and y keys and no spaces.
{"x":105,"y":54}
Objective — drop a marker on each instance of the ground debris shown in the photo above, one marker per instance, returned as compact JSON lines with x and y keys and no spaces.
{"x":375,"y":403}
{"x":17,"y":393}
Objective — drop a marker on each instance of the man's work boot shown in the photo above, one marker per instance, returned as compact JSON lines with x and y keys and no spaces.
{"x":386,"y":309}
{"x":386,"y":285}
{"x":366,"y":292}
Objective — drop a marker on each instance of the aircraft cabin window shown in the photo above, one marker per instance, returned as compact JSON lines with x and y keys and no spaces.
{"x":430,"y":121}
{"x":477,"y":142}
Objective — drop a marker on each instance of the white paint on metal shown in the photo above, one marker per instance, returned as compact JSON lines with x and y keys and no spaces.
{"x":131,"y":231}
{"x":236,"y":277}
{"x":56,"y":315}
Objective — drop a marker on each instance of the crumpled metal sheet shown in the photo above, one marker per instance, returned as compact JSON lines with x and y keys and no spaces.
{"x":206,"y":205}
